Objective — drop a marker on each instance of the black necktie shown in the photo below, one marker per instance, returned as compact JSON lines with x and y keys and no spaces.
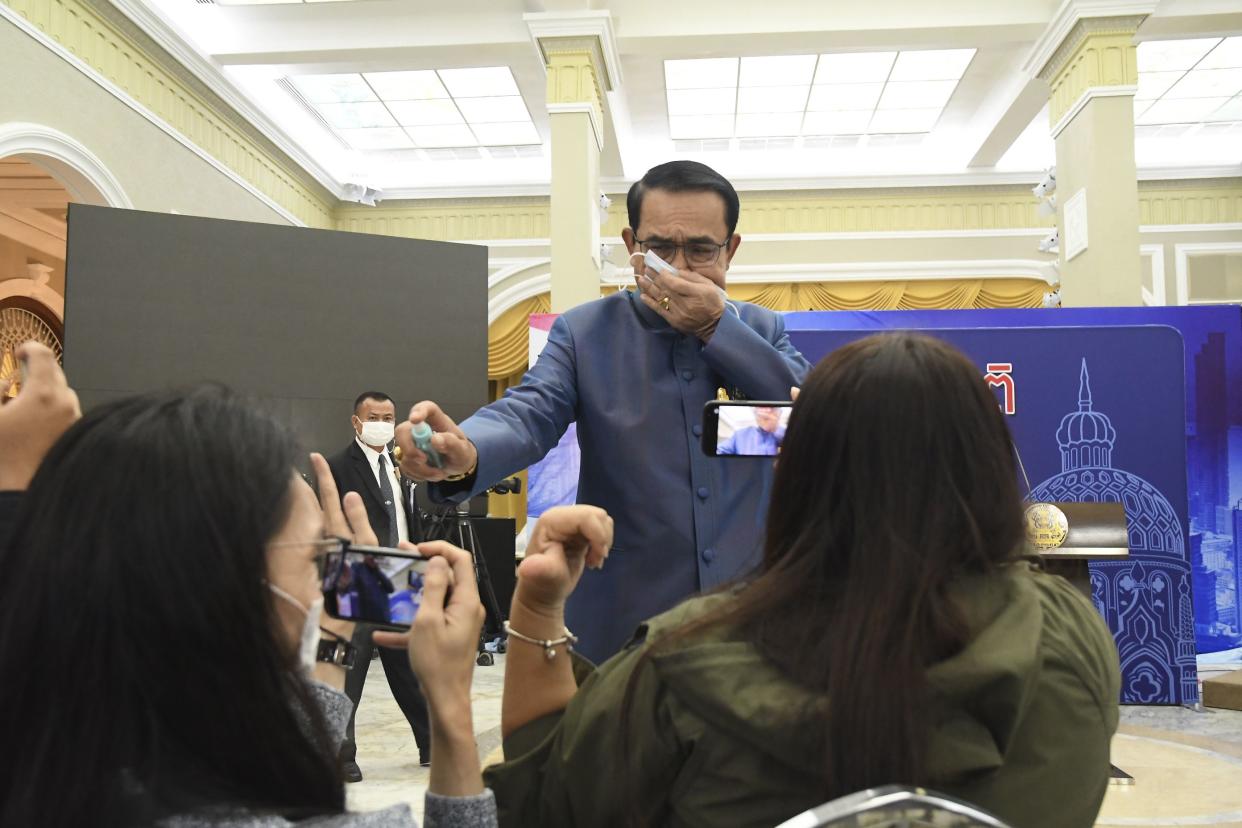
{"x":389,"y":504}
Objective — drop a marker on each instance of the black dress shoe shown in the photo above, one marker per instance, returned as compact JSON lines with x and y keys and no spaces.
{"x":424,"y":760}
{"x":353,"y":773}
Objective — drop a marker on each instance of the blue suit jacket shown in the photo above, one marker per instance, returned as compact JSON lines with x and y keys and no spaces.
{"x":636,"y":387}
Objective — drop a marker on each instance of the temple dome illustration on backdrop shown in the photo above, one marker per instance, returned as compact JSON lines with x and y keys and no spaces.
{"x":1146,"y":599}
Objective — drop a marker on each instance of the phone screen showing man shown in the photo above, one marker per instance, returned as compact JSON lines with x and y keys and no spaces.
{"x":751,"y":431}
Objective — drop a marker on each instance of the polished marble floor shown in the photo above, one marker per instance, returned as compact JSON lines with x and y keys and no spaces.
{"x":1187,"y":765}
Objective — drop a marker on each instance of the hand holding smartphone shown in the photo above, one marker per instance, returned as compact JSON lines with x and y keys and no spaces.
{"x":744,"y":428}
{"x":374,"y":584}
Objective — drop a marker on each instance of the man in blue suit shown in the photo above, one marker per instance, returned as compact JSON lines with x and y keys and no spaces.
{"x":634,"y":370}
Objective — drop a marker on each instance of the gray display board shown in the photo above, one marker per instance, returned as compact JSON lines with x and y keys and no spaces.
{"x":303,"y":320}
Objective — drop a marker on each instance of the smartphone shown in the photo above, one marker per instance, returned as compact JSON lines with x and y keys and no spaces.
{"x":744,"y":428}
{"x":375,"y":584}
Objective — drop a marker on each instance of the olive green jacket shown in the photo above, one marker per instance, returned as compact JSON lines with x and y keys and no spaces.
{"x":718,"y":736}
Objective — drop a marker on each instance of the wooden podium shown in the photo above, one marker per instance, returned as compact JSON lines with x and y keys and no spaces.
{"x":1092,"y":532}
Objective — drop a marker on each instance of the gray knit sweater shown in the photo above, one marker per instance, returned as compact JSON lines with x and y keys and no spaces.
{"x":439,"y":811}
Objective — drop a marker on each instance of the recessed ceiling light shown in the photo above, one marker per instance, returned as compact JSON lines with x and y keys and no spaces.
{"x":494,"y":110}
{"x":704,"y":73}
{"x":332,"y":88}
{"x":702,"y":101}
{"x":916,"y":94}
{"x":854,"y":67}
{"x":425,"y":113}
{"x":377,"y":139}
{"x":485,"y":82}
{"x":772,"y":99}
{"x":778,"y":70}
{"x":355,"y":115}
{"x":935,"y":64}
{"x":1168,"y":55}
{"x":406,"y":86}
{"x":844,"y":97}
{"x":836,"y":123}
{"x":1207,"y":83}
{"x":904,"y":120}
{"x":517,"y":132}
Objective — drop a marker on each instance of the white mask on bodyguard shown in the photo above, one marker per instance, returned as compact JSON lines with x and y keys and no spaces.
{"x":378,"y":432}
{"x":308,"y":647}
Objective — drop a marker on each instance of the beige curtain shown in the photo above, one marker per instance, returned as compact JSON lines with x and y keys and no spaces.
{"x":508,"y":338}
{"x":508,"y":351}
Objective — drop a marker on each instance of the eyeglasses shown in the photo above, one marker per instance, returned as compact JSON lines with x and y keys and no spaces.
{"x":325,"y":548}
{"x":701,"y":254}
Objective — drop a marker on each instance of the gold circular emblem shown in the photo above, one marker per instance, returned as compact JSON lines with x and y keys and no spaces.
{"x":1046,"y":526}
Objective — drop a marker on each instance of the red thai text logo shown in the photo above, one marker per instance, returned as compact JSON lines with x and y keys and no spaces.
{"x":1000,"y":375}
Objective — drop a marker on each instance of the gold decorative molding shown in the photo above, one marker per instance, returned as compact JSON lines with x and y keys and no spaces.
{"x":1098,"y":52}
{"x":150,"y":78}
{"x":1209,"y":201}
{"x":1190,"y":202}
{"x":573,"y":76}
{"x":457,"y":220}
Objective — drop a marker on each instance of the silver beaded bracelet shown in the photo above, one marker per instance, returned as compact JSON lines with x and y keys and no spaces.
{"x":549,"y":645}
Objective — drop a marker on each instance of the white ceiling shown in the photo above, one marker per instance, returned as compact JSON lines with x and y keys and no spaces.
{"x":989,"y":125}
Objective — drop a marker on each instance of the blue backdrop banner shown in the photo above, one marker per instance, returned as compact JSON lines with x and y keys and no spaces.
{"x":1089,"y":428}
{"x":1212,"y":335}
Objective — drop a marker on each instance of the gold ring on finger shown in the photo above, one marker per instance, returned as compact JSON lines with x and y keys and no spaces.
{"x":664,"y":303}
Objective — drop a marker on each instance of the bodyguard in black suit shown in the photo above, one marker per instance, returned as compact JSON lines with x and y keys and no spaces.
{"x":367,"y":467}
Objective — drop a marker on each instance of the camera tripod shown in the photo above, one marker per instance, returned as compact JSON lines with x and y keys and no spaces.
{"x":493,"y":625}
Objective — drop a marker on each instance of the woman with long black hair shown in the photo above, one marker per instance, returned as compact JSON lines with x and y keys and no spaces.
{"x":158,"y":616}
{"x":892,"y":634}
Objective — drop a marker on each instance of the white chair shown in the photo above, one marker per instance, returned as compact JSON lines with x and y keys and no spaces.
{"x":894,"y":806}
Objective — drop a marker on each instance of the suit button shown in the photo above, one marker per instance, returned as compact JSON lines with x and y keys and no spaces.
{"x":687,"y":375}
{"x":697,"y":430}
{"x":709,"y":555}
{"x":702,"y":492}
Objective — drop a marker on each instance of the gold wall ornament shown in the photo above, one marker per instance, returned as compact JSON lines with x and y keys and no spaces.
{"x":1046,"y":525}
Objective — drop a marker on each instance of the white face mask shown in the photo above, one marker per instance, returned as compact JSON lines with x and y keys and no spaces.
{"x":308,"y":647}
{"x":378,"y":432}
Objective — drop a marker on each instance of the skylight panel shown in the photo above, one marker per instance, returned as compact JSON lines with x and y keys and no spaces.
{"x":781,"y":70}
{"x":355,"y":115}
{"x":376,"y":139}
{"x":827,"y":94}
{"x":770,"y":124}
{"x":406,"y":86}
{"x":425,"y":113}
{"x":702,"y":101}
{"x":506,"y":134}
{"x":707,"y":73}
{"x":836,"y":123}
{"x":494,"y":110}
{"x":916,"y":94}
{"x":700,"y":126}
{"x":844,"y":97}
{"x":904,"y":120}
{"x":772,"y":99}
{"x":1207,"y":83}
{"x":333,"y":88}
{"x":854,"y":67}
{"x":1226,"y":55}
{"x":485,"y":82}
{"x":443,"y":136}
{"x":1186,"y":111}
{"x":936,"y":64}
{"x":1170,"y":55}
